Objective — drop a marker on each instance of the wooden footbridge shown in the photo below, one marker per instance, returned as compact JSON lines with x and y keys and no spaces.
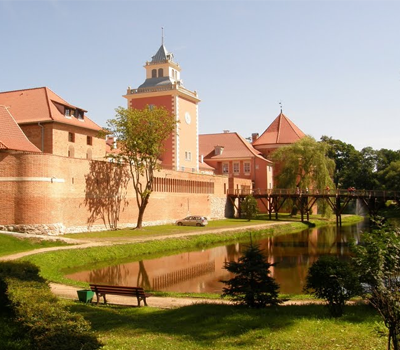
{"x":274,"y":200}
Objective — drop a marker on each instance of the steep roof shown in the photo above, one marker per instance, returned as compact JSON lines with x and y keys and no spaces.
{"x":162,"y":55}
{"x":281,"y":131}
{"x":11,"y":135}
{"x":235,"y":146}
{"x":42,"y":105}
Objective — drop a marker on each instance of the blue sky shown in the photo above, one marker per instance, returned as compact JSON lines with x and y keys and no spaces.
{"x":334,"y":65}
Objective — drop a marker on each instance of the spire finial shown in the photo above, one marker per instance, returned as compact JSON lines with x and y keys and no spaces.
{"x":280,"y":104}
{"x":162,"y":35}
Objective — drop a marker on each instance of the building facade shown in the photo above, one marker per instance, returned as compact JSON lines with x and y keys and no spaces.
{"x":163,"y":86}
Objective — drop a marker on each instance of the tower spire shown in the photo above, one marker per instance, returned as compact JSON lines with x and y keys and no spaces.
{"x":162,"y":35}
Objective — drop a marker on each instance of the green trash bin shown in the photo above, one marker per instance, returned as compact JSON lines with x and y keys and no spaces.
{"x":85,"y":295}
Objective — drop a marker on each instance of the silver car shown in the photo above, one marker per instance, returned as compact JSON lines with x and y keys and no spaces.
{"x":193,"y":220}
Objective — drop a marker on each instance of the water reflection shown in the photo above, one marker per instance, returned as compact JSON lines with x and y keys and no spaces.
{"x":201,"y":271}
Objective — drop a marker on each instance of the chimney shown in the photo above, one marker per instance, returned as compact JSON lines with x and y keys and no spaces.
{"x":218,"y":150}
{"x":254,"y":136}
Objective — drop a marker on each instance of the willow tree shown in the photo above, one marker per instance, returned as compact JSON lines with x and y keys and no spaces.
{"x":141,"y":135}
{"x":304,"y":165}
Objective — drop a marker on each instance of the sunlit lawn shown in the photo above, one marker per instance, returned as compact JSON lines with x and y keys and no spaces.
{"x":206,"y":326}
{"x":11,"y":244}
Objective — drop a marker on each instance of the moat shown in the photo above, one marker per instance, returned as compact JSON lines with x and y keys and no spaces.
{"x":201,"y":271}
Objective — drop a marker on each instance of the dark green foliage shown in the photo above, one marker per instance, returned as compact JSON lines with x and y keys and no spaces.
{"x":38,"y":314}
{"x":249,"y":207}
{"x":24,"y":271}
{"x":378,"y":259}
{"x":252,"y":284}
{"x":333,"y":280}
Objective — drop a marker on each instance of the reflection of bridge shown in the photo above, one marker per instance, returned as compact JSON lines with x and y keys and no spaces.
{"x":273,"y":200}
{"x":182,"y":275}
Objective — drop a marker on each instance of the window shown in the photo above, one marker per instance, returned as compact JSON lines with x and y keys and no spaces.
{"x":236,"y":168}
{"x":67,"y":112}
{"x":71,"y":137}
{"x":188,"y":155}
{"x":225,"y":168}
{"x":89,"y":140}
{"x":89,"y":154}
{"x":154,"y":73}
{"x":160,"y":72}
{"x":246,"y":168}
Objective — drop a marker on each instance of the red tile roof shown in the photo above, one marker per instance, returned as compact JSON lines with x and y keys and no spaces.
{"x":11,"y":135}
{"x":281,"y":131}
{"x":40,"y":105}
{"x":234,"y":146}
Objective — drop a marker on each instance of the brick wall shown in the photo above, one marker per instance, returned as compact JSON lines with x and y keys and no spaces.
{"x":49,"y":194}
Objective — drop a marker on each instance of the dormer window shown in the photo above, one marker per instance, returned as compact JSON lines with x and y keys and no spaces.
{"x":154,"y":73}
{"x":68,"y":112}
{"x":79,"y":114}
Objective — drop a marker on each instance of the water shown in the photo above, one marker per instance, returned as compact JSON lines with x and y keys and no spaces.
{"x":201,"y":271}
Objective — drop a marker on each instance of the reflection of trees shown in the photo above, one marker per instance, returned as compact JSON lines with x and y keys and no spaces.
{"x":113,"y":275}
{"x":143,"y":277}
{"x":106,"y":190}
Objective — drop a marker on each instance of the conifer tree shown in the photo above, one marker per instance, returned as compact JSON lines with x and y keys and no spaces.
{"x":252,"y":284}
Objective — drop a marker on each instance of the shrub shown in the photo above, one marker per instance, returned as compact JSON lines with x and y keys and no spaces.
{"x":42,"y":316}
{"x":333,"y":280}
{"x":252,"y":285}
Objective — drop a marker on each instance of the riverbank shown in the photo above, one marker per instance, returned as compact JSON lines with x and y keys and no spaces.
{"x":100,"y":249}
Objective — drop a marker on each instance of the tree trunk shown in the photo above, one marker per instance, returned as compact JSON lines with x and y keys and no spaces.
{"x":142,"y":208}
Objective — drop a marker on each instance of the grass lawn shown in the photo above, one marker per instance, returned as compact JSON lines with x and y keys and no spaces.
{"x":206,"y":326}
{"x":11,"y":244}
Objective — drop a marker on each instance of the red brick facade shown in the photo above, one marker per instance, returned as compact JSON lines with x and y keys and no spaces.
{"x":44,"y":193}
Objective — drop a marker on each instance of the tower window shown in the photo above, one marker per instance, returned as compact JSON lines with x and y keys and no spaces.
{"x":89,"y":140}
{"x":160,"y":72}
{"x":154,"y":73}
{"x":71,"y":137}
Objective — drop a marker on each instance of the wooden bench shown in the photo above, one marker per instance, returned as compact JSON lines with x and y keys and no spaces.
{"x":103,"y":290}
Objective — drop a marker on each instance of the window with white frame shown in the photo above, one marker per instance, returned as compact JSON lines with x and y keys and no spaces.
{"x":225,"y":168}
{"x":246,"y":167}
{"x":188,"y":155}
{"x":236,"y":168}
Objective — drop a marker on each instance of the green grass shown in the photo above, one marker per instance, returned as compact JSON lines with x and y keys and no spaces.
{"x":11,"y":244}
{"x":206,"y":326}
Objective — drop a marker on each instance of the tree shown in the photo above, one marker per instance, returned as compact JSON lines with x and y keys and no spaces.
{"x":141,"y":135}
{"x":249,"y":207}
{"x":346,"y":159}
{"x":252,"y":284}
{"x":305,"y":164}
{"x":378,"y":260}
{"x":333,"y":280}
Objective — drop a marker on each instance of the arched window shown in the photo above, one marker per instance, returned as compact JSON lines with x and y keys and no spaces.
{"x":160,"y":72}
{"x":154,"y":73}
{"x":71,"y":151}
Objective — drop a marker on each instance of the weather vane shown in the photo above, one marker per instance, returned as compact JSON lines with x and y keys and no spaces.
{"x":162,"y":35}
{"x":280,"y":104}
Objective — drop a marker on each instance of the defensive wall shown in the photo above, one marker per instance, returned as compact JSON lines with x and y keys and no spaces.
{"x":50,"y":194}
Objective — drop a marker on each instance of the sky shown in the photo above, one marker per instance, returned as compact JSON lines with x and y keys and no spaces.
{"x":333,"y":66}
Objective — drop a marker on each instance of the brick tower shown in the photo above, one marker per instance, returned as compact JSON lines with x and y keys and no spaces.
{"x":163,"y":87}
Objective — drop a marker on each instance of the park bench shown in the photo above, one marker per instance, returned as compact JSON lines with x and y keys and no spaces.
{"x":103,"y":290}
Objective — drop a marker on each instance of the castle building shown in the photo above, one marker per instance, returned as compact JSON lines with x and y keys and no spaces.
{"x":163,"y":86}
{"x":53,"y":125}
{"x":233,"y":156}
